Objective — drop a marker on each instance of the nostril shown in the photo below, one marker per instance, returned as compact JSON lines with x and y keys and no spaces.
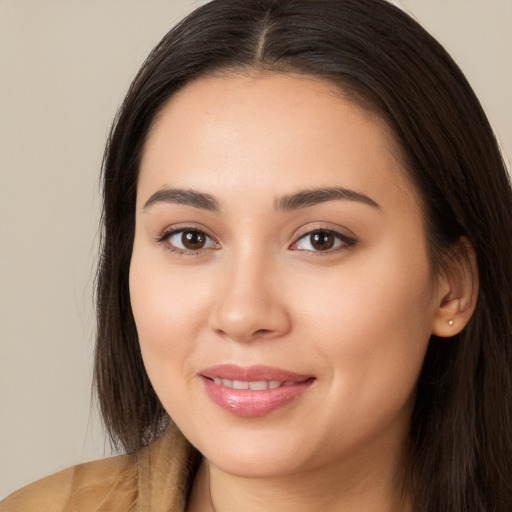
{"x":243,"y":320}
{"x":262,"y":332}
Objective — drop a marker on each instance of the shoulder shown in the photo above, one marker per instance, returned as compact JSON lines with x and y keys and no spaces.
{"x":156,"y":478}
{"x":102,"y":485}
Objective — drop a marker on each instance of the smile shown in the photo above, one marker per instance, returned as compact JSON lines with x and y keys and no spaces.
{"x":258,"y":385}
{"x":254,"y":391}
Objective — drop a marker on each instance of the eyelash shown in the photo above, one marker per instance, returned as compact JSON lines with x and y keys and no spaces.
{"x":343,"y":240}
{"x":164,"y":239}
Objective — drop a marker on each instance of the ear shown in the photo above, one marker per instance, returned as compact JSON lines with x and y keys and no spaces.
{"x":457,"y":290}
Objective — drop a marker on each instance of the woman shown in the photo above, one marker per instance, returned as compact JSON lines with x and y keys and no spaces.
{"x":305,"y":264}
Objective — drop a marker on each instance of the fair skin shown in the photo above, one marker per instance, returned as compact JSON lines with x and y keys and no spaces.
{"x":233,"y":274}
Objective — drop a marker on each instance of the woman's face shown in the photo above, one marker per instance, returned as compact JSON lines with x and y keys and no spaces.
{"x":280,"y":249}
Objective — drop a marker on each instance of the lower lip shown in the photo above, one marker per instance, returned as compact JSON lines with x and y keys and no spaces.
{"x":251,"y":404}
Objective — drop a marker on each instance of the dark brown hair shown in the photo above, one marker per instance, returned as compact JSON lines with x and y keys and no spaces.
{"x":460,"y":453}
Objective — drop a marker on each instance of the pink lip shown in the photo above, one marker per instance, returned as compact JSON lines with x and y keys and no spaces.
{"x":252,"y":403}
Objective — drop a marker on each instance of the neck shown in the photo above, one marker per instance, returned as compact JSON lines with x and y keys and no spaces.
{"x":374,"y":489}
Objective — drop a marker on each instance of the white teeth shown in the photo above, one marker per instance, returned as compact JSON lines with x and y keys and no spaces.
{"x":259,"y":385}
{"x":240,"y":384}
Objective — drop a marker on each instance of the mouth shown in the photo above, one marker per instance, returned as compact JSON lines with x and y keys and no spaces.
{"x":256,"y":385}
{"x":254,"y":391}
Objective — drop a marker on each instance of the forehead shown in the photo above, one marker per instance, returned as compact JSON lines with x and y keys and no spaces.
{"x":294,"y":131}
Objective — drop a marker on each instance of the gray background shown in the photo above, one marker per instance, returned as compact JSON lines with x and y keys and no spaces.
{"x":64,"y":68}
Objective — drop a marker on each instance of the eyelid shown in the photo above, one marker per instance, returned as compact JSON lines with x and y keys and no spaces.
{"x":182,"y":226}
{"x":169,"y":231}
{"x":348,"y":240}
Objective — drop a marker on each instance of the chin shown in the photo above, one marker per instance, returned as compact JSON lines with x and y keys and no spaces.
{"x":254,"y":465}
{"x":261,"y":455}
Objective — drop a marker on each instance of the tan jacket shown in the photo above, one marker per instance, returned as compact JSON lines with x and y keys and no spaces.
{"x":152,"y":480}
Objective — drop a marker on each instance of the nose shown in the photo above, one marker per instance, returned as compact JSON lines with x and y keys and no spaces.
{"x":249,"y":302}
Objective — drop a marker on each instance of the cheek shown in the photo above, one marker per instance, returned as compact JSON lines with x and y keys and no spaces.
{"x":371,"y":323}
{"x":168,"y":308}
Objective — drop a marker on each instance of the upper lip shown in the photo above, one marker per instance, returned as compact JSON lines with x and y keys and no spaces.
{"x":252,"y":373}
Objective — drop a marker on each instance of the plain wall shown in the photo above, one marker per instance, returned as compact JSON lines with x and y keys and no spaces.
{"x":64,"y":68}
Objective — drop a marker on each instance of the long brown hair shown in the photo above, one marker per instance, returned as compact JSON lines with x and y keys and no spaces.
{"x":460,"y":452}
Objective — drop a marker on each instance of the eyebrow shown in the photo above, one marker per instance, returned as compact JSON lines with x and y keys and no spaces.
{"x":186,"y":197}
{"x":312,"y":197}
{"x":301,"y":199}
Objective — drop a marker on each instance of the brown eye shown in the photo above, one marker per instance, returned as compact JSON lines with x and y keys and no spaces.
{"x":193,"y":240}
{"x":322,"y":240}
{"x":188,"y":240}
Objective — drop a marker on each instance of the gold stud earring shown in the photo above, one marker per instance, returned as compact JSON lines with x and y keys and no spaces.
{"x":450,"y":323}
